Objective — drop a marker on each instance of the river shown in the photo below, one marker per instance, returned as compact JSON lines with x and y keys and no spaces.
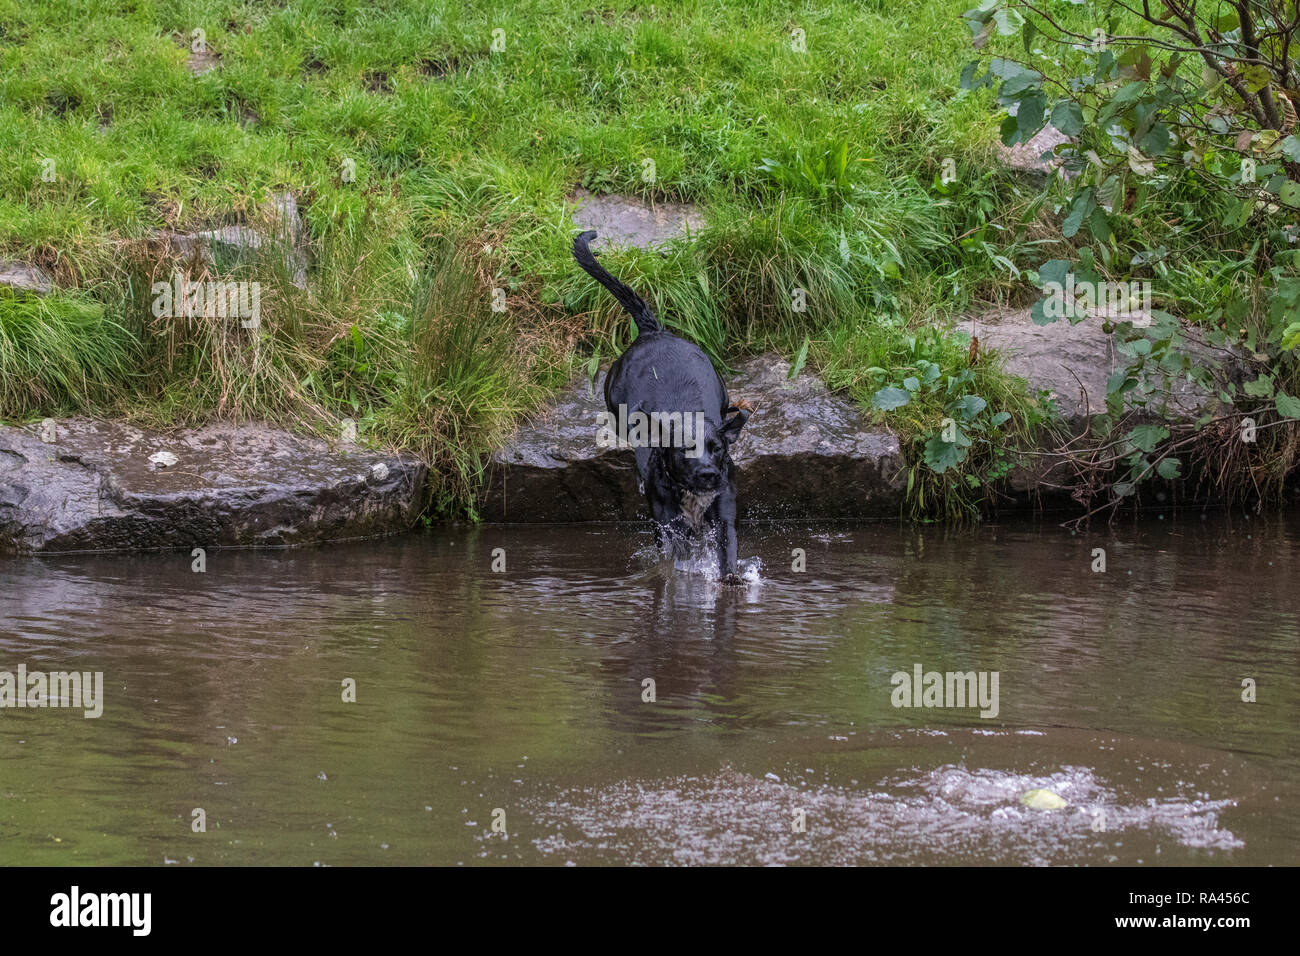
{"x":508,"y":716}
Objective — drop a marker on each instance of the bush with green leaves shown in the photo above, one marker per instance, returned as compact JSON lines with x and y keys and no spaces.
{"x":959,"y":417}
{"x":963,"y":411}
{"x":1182,"y":169}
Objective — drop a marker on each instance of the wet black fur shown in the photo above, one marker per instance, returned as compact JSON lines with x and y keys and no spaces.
{"x":661,"y":372}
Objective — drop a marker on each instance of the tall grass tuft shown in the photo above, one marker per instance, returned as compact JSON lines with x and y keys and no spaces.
{"x":285,"y":369}
{"x":468,"y":378}
{"x":60,"y":354}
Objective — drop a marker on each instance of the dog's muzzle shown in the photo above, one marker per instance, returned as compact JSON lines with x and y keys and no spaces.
{"x":706,"y":481}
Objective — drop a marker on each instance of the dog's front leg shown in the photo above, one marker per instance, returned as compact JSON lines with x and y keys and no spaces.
{"x":670,"y":532}
{"x":725,"y":529}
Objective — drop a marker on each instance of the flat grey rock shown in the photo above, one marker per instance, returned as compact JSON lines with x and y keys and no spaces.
{"x":282,"y":211}
{"x":95,"y":488}
{"x":625,"y":221}
{"x":1030,"y":157}
{"x":200,"y":62}
{"x":1072,"y":363}
{"x":21,"y":276}
{"x":805,"y":453}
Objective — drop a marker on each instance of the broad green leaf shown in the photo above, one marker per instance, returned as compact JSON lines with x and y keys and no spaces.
{"x":1010,"y":70}
{"x":1291,"y":336}
{"x":1262,"y":387}
{"x":1146,"y":437}
{"x":1054,"y":270}
{"x":1038,"y":313}
{"x":1027,"y":36}
{"x":1287,"y":406}
{"x":1009,"y":21}
{"x":1067,"y":116}
{"x":889,"y":398}
{"x":970,"y":406}
{"x":1256,"y":77}
{"x":1226,"y":20}
{"x":1081,"y":209}
{"x":1134,"y":348}
{"x":941,"y":455}
{"x":1120,"y":382}
{"x":1099,"y":225}
{"x":1156,"y":141}
{"x":1169,"y":468}
{"x":969,"y":81}
{"x":1029,"y":118}
{"x":1128,"y":93}
{"x":1237,"y":211}
{"x":1010,"y":131}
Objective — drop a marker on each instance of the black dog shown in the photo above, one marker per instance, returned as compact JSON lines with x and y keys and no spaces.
{"x":687,"y":488}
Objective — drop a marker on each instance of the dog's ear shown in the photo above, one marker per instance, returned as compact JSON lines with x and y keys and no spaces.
{"x":732,"y":426}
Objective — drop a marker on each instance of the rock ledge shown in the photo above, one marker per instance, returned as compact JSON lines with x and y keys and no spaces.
{"x":95,"y":488}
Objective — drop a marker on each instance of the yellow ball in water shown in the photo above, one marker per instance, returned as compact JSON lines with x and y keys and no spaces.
{"x":1042,"y":800}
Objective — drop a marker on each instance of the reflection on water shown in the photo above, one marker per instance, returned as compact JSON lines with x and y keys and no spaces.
{"x":606,"y":707}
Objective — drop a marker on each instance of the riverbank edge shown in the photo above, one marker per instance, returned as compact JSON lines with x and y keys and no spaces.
{"x":809,"y":454}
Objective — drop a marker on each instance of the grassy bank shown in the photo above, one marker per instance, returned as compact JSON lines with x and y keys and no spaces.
{"x":431,"y":169}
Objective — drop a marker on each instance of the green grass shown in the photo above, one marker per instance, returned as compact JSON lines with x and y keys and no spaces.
{"x":60,"y":354}
{"x":816,"y":171}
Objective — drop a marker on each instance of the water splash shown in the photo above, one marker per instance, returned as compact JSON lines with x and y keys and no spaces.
{"x":950,"y":814}
{"x":702,"y":560}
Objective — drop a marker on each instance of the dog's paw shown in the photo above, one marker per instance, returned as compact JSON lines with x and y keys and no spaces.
{"x":733,"y":579}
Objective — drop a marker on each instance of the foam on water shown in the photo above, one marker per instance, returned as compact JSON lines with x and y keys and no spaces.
{"x":750,"y":570}
{"x":961,"y":814}
{"x":701,"y":561}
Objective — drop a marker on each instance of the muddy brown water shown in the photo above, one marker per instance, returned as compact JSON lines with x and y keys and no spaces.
{"x":517,"y":699}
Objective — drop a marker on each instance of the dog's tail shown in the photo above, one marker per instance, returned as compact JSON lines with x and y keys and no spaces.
{"x":641,"y":313}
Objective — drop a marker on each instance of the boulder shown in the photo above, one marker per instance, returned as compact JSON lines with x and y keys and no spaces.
{"x":1073,"y":361}
{"x":81,"y":485}
{"x":806,"y":453}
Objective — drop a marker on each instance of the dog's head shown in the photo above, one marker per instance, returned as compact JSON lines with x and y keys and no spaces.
{"x":703,"y":466}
